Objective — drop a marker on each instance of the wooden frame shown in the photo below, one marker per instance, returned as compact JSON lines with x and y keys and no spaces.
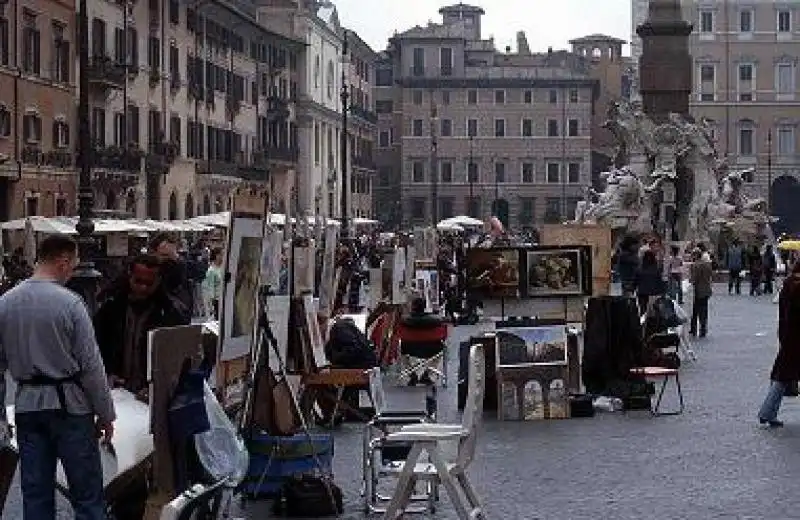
{"x":510,"y":354}
{"x":554,"y":272}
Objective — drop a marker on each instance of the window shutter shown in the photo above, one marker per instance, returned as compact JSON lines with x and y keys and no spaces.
{"x":134,"y":52}
{"x":55,"y":134}
{"x":37,"y":125}
{"x":37,"y":52}
{"x":65,"y":61}
{"x":119,"y":46}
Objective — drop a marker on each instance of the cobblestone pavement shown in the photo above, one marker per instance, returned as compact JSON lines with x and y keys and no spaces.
{"x":712,"y":462}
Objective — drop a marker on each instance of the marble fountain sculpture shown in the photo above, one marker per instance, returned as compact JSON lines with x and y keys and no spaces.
{"x":679,"y":154}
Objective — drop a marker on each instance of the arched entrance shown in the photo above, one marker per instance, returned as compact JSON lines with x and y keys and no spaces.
{"x":501,"y":211}
{"x":188,"y":206}
{"x":173,"y":207}
{"x":206,"y":204}
{"x":785,"y":193}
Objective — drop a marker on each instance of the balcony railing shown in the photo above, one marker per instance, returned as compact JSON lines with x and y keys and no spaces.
{"x":256,"y":169}
{"x":217,"y":167}
{"x":446,"y":71}
{"x":364,"y":161}
{"x":126,"y":159}
{"x":277,"y":109}
{"x":416,"y":71}
{"x":282,"y":153}
{"x":366,"y":115}
{"x":106,"y":73}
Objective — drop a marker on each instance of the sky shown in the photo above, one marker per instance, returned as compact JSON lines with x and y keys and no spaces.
{"x":546,"y":24}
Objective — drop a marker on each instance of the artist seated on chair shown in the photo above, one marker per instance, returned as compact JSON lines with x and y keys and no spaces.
{"x":422,"y":334}
{"x":137,"y":304}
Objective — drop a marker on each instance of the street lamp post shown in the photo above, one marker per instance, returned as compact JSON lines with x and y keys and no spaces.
{"x":343,"y":144}
{"x":85,"y":278}
{"x":769,"y":172}
{"x":470,"y":178}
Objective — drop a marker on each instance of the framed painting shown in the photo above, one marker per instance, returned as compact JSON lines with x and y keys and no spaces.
{"x":555,"y":272}
{"x":493,"y":273}
{"x":531,"y":346}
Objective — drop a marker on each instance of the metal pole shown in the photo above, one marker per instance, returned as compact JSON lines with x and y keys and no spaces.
{"x":84,"y":280}
{"x":769,"y":172}
{"x":470,"y":179}
{"x":343,"y":144}
{"x":434,"y":165}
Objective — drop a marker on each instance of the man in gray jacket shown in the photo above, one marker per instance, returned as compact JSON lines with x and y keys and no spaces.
{"x":63,"y":401}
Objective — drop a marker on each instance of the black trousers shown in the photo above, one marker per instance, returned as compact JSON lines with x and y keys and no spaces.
{"x":735,"y":281}
{"x":699,"y":314}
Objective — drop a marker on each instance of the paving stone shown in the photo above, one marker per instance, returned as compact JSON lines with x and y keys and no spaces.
{"x":712,"y":462}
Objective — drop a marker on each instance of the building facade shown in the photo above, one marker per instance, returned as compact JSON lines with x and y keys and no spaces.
{"x":37,"y":108}
{"x":386,"y":194}
{"x":746,"y":82}
{"x":362,"y":123}
{"x":187,"y":103}
{"x":486,"y":132}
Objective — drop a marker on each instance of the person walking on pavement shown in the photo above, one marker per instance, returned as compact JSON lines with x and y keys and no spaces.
{"x":735,"y":260}
{"x":770,"y":269}
{"x":63,"y":401}
{"x":674,"y":273}
{"x":649,"y":281}
{"x":700,"y":274}
{"x":786,"y":368}
{"x":755,"y":266}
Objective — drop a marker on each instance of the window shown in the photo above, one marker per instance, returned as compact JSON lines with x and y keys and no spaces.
{"x":552,"y":210}
{"x":98,"y":127}
{"x":552,"y":128}
{"x":446,"y":173}
{"x":499,"y":172}
{"x":746,"y":141}
{"x":527,"y":97}
{"x":329,"y":80}
{"x":572,"y":128}
{"x":553,"y":96}
{"x":445,"y":97}
{"x":32,"y":128}
{"x":746,"y":21}
{"x":499,"y":127}
{"x":527,"y":173}
{"x":31,"y":206}
{"x":786,"y":140}
{"x":119,"y":129}
{"x":473,"y":205}
{"x":447,"y":128}
{"x":383,"y":139}
{"x":446,"y":207}
{"x":61,"y":59}
{"x":126,"y":48}
{"x":174,"y":61}
{"x":499,"y":97}
{"x":746,"y":82}
{"x":5,"y":122}
{"x":60,"y":134}
{"x":61,"y":206}
{"x":384,"y":106}
{"x":416,"y":128}
{"x":784,"y":21}
{"x":553,"y":173}
{"x":317,"y":144}
{"x":418,"y":208}
{"x":174,"y":12}
{"x":706,"y":22}
{"x":574,"y":96}
{"x":418,"y":171}
{"x":574,"y":173}
{"x":384,"y":77}
{"x":472,"y":172}
{"x":446,"y":61}
{"x":154,"y":54}
{"x":472,"y":97}
{"x":472,"y":127}
{"x":784,"y":81}
{"x":175,"y":131}
{"x":418,"y":67}
{"x":527,"y":128}
{"x":416,"y":97}
{"x":31,"y":44}
{"x":707,"y":82}
{"x":527,"y":211}
{"x":4,"y":40}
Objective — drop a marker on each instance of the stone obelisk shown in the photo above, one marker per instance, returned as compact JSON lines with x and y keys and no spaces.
{"x":665,"y":67}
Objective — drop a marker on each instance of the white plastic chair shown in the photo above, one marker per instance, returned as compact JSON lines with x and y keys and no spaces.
{"x":429,"y":438}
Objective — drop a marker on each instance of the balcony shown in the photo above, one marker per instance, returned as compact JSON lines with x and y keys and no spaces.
{"x":416,"y":71}
{"x":60,"y":159}
{"x":277,"y":109}
{"x":446,"y":72}
{"x":105,"y":73}
{"x":232,"y":106}
{"x":155,"y":78}
{"x":282,"y":153}
{"x":174,"y":80}
{"x":364,"y":161}
{"x":118,"y":158}
{"x":256,"y":169}
{"x":217,"y":167}
{"x":362,"y":113}
{"x":160,"y":158}
{"x":32,"y":155}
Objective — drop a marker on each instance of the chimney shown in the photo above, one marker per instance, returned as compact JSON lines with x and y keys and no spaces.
{"x":522,"y":44}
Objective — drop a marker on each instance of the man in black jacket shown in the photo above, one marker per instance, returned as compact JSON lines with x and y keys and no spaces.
{"x":137,"y":305}
{"x":174,"y":273}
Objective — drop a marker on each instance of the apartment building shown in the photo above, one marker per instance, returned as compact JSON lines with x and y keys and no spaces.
{"x":746,"y":78}
{"x":484,"y":131}
{"x":386,"y":200}
{"x":37,"y":108}
{"x":362,"y":123}
{"x":188,"y":101}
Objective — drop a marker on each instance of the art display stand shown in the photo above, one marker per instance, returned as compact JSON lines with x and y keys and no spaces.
{"x":597,"y":237}
{"x":169,"y":348}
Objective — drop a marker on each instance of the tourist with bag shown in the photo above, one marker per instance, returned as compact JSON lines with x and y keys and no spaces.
{"x":701,"y":275}
{"x":786,"y":368}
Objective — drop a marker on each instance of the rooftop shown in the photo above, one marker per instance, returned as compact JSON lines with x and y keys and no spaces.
{"x":597,"y":37}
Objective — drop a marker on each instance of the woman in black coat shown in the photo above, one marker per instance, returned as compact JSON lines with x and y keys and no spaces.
{"x":786,"y":369}
{"x":649,"y":280}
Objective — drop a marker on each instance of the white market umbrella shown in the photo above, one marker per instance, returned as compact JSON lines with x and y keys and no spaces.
{"x":463,"y":221}
{"x":50,"y":226}
{"x":444,"y":226}
{"x":220,"y":219}
{"x":360,"y":221}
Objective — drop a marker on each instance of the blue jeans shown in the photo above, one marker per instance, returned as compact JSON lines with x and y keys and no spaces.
{"x":45,"y":438}
{"x":772,"y":403}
